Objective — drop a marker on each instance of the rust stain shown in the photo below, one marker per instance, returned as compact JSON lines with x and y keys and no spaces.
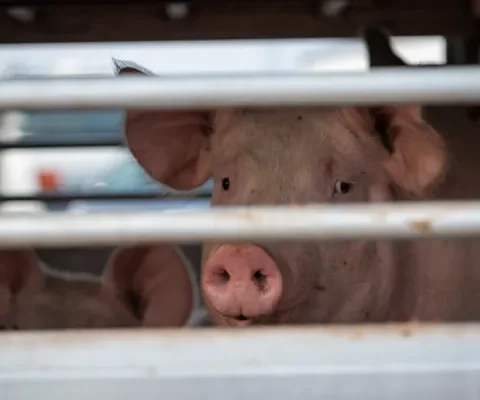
{"x":242,"y":216}
{"x":406,"y":329}
{"x":422,"y":226}
{"x":357,"y":333}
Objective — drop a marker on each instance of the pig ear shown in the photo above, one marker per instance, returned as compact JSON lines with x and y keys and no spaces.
{"x":379,"y":48}
{"x":153,"y":282}
{"x":418,"y":156}
{"x":19,"y":273}
{"x":172,"y":146}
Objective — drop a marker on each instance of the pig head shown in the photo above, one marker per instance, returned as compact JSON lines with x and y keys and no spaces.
{"x":292,"y":156}
{"x":146,"y":286}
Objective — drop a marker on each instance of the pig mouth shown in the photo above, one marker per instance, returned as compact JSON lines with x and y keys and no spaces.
{"x":240,"y":321}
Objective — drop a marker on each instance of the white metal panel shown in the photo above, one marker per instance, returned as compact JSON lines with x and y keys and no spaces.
{"x":352,"y":55}
{"x":383,"y":85}
{"x":386,"y":220}
{"x":167,"y":57}
{"x":312,"y":363}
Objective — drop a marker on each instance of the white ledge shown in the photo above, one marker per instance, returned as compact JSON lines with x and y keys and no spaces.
{"x":358,"y":362}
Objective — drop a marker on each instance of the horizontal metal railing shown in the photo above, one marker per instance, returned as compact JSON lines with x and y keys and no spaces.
{"x":62,"y":143}
{"x":144,"y":195}
{"x":392,"y":362}
{"x":384,"y":85}
{"x":368,"y":221}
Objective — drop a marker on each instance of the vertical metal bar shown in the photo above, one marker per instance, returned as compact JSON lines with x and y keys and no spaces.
{"x":462,"y":50}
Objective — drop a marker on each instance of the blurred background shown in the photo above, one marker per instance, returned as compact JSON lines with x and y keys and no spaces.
{"x":81,"y":153}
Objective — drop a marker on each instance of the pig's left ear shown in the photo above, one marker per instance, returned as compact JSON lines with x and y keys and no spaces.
{"x":417,"y":153}
{"x":153,"y":282}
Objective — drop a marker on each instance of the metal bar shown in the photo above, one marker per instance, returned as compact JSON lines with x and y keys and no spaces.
{"x":370,"y":221}
{"x":107,"y":196}
{"x":392,"y":362}
{"x":52,"y":143}
{"x":462,"y":50}
{"x":385,"y":85}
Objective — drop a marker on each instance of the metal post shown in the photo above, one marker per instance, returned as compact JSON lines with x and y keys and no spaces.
{"x":462,"y":50}
{"x":384,"y":85}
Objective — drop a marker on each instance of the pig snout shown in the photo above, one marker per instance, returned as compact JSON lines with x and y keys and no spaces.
{"x":242,"y":282}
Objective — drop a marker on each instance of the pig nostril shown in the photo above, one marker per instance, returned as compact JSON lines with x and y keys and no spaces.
{"x":222,"y":275}
{"x":259,"y":278}
{"x":241,"y":317}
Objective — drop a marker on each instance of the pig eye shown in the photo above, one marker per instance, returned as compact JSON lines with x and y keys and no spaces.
{"x":343,"y":187}
{"x":225,"y":184}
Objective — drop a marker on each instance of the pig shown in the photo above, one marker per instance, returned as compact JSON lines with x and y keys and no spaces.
{"x":317,"y":155}
{"x":149,"y":286}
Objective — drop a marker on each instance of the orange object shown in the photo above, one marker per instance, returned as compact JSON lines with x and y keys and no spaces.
{"x":49,"y":180}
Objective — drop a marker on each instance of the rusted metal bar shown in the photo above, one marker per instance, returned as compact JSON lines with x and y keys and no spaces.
{"x":394,"y":221}
{"x":349,"y":363}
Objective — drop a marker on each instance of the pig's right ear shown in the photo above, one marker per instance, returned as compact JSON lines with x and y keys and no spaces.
{"x":379,"y":48}
{"x":19,"y":273}
{"x":172,"y":146}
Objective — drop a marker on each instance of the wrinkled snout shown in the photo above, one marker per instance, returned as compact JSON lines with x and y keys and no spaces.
{"x":242,"y":282}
